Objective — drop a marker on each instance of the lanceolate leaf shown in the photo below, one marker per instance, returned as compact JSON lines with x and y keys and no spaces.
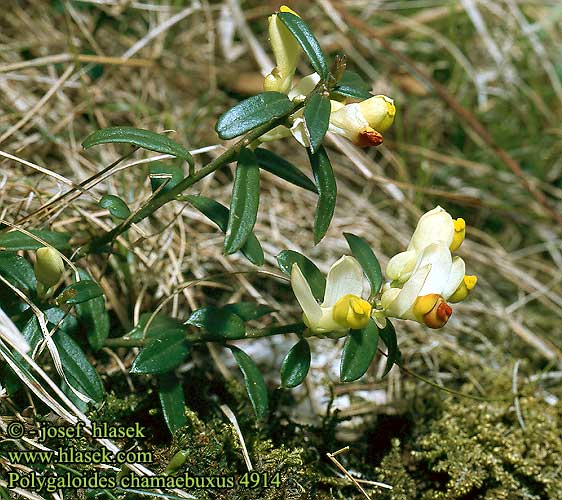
{"x":248,"y":310}
{"x":218,"y":321}
{"x":16,"y":240}
{"x":78,"y":292}
{"x":172,"y":401}
{"x":296,"y":364}
{"x":17,"y":270}
{"x":93,"y":317}
{"x":219,"y":214}
{"x":253,"y":379}
{"x":244,"y":203}
{"x":313,"y":275}
{"x":352,"y":85}
{"x":161,"y":173}
{"x":159,"y":324}
{"x":365,"y":256}
{"x":307,"y":41}
{"x":317,"y":119}
{"x":162,"y":354}
{"x":358,"y":352}
{"x":388,"y":335}
{"x":282,"y":168}
{"x":116,"y":206}
{"x":80,"y":373}
{"x":327,"y":192}
{"x":138,"y":137}
{"x":252,"y":113}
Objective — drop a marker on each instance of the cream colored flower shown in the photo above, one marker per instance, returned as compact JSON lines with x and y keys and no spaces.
{"x":49,"y":266}
{"x":342,"y":308}
{"x":435,"y":226}
{"x":287,"y":52}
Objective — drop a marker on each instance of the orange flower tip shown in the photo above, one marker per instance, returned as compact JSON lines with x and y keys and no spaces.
{"x":369,"y":137}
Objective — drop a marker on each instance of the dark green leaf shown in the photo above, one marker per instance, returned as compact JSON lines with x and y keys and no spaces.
{"x":80,"y":373}
{"x":17,"y":270}
{"x":307,"y":41}
{"x":244,"y":203}
{"x":388,"y":335}
{"x":255,"y":385}
{"x":61,"y":319}
{"x":219,"y":214}
{"x":251,"y":113}
{"x":162,"y":354}
{"x":282,"y":168}
{"x":327,"y":192}
{"x":313,"y":275}
{"x":358,"y":351}
{"x":138,"y":137}
{"x":78,"y":292}
{"x":296,"y":364}
{"x":361,"y":250}
{"x":354,"y":93}
{"x":317,"y":119}
{"x":218,"y":322}
{"x":93,"y":317}
{"x":352,"y":85}
{"x":172,"y":400}
{"x":116,"y":206}
{"x":352,"y":79}
{"x":248,"y":310}
{"x":159,"y":325}
{"x":14,"y":240}
{"x":161,"y":173}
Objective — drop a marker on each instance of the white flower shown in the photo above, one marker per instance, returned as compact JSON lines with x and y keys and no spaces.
{"x":286,"y":50}
{"x":342,"y":308}
{"x":435,"y":226}
{"x":10,"y":332}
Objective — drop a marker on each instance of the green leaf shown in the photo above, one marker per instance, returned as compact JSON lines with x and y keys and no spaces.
{"x":255,"y":385}
{"x":248,"y":310}
{"x":159,"y":325}
{"x":160,"y":173}
{"x":15,"y":240}
{"x":78,"y":292}
{"x":394,"y":356}
{"x":61,"y":319}
{"x":244,"y":203}
{"x":313,"y":275}
{"x":327,"y":192}
{"x":93,"y":317}
{"x":116,"y":206}
{"x":358,"y":351}
{"x":80,"y":373}
{"x":352,"y":85}
{"x":218,"y":322}
{"x":307,"y":41}
{"x":138,"y":137}
{"x":17,"y":270}
{"x":219,"y":214}
{"x":317,"y":119}
{"x":251,"y":113}
{"x":172,"y":401}
{"x":282,"y":168}
{"x":162,"y":354}
{"x":361,"y":250}
{"x":296,"y":364}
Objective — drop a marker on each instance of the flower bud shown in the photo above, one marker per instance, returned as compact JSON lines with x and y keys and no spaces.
{"x":432,"y":310}
{"x":467,"y":284}
{"x":49,"y":266}
{"x":286,"y":50}
{"x":352,"y":312}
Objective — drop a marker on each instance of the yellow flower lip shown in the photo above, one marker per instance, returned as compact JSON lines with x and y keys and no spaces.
{"x":351,"y":311}
{"x":284,"y":8}
{"x":467,"y":284}
{"x":459,"y":234}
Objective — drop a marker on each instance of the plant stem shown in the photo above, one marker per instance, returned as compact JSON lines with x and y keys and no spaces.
{"x":155,"y":203}
{"x":200,"y":338}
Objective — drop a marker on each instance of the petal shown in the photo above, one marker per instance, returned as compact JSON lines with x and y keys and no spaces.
{"x":10,"y":332}
{"x":298,"y":129}
{"x":435,"y":226}
{"x":304,"y":87}
{"x":401,"y":265}
{"x":345,"y":277}
{"x":304,"y":295}
{"x":438,"y":256}
{"x":404,"y":301}
{"x":455,"y":277}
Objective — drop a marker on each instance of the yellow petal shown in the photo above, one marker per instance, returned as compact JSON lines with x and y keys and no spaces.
{"x":352,"y":312}
{"x":468,"y":283}
{"x":459,"y":234}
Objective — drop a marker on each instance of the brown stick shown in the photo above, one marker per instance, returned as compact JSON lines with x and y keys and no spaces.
{"x":459,"y":109}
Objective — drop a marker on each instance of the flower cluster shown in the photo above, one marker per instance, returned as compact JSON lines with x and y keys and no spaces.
{"x":420,"y":282}
{"x":360,"y":122}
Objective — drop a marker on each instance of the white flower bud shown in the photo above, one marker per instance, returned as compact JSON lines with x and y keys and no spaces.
{"x":49,"y":266}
